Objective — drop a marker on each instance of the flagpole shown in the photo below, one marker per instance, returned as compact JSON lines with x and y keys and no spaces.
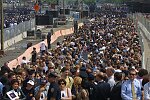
{"x":2,"y":25}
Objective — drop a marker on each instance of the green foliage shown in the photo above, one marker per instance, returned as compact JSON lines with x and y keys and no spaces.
{"x":89,"y":1}
{"x":113,"y":1}
{"x":51,"y":1}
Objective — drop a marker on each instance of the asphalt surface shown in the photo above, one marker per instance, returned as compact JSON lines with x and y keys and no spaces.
{"x":17,"y":49}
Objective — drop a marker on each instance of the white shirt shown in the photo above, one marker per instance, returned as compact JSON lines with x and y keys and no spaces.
{"x":111,"y":81}
{"x":42,"y":46}
{"x":25,"y":61}
{"x":66,"y":93}
{"x":11,"y":25}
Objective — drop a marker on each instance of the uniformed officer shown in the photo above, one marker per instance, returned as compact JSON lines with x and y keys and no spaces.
{"x":49,"y":39}
{"x":75,"y":26}
{"x":54,"y":91}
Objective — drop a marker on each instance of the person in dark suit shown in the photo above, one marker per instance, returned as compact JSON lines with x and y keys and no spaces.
{"x":102,"y":91}
{"x":115,"y":93}
{"x":54,"y":92}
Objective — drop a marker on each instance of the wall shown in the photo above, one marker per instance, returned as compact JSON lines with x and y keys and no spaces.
{"x":27,"y":53}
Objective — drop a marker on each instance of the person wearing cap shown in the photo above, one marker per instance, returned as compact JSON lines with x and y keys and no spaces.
{"x":31,"y":76}
{"x":91,"y":86}
{"x":41,"y":90}
{"x":53,"y":91}
{"x":29,"y":90}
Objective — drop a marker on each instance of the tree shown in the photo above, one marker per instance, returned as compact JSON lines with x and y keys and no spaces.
{"x":89,"y":1}
{"x":51,"y":1}
{"x":113,"y":1}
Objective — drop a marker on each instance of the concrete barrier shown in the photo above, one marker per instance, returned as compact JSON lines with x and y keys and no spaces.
{"x":27,"y":53}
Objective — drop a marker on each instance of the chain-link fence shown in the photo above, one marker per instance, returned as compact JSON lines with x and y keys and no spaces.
{"x":147,"y":64}
{"x":138,"y":17}
{"x":141,"y":18}
{"x":17,"y":29}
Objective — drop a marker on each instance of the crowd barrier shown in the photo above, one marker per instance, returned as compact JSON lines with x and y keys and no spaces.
{"x":27,"y":53}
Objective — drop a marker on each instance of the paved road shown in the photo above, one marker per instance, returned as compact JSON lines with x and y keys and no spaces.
{"x":17,"y":49}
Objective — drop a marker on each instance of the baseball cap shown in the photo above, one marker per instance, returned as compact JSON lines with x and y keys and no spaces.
{"x":43,"y":81}
{"x":91,"y":76}
{"x":83,"y":74}
{"x":30,"y":82}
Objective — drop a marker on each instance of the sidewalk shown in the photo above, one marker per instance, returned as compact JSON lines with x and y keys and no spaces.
{"x":19,"y":48}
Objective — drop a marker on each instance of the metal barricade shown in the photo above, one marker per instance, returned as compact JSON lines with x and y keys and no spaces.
{"x":18,"y":29}
{"x":148,"y":64}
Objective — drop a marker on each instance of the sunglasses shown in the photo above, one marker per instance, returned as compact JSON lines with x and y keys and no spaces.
{"x":62,"y":84}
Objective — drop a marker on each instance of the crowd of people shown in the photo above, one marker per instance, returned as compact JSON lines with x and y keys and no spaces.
{"x":14,"y":16}
{"x":100,"y":61}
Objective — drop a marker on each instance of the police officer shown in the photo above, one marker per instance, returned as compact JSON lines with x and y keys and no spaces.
{"x":75,"y":26}
{"x":91,"y":86}
{"x":49,"y":39}
{"x":54,"y":91}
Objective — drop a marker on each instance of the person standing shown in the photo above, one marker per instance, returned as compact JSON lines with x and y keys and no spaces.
{"x":65,"y":92}
{"x":103,"y":88}
{"x":53,"y":91}
{"x":147,"y":90}
{"x":49,"y":39}
{"x":41,"y":90}
{"x":29,"y":90}
{"x":110,"y":73}
{"x":34,"y":54}
{"x":14,"y":89}
{"x":42,"y":47}
{"x":131,"y":89}
{"x":1,"y":90}
{"x":115,"y":93}
{"x":75,"y":26}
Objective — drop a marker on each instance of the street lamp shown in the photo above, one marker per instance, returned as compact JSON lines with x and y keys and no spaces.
{"x":63,"y":8}
{"x":81,"y":9}
{"x":2,"y":25}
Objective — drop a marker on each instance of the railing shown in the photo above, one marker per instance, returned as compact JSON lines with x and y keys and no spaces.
{"x":145,"y":25}
{"x":147,"y":64}
{"x":18,"y":29}
{"x":141,"y":18}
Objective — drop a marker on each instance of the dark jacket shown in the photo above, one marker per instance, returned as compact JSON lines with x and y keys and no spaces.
{"x":102,"y":91}
{"x":116,"y":92}
{"x":54,"y":91}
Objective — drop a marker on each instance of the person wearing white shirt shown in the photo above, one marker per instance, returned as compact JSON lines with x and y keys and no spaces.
{"x":11,"y":25}
{"x":24,"y":60}
{"x":42,"y":47}
{"x":110,"y":73}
